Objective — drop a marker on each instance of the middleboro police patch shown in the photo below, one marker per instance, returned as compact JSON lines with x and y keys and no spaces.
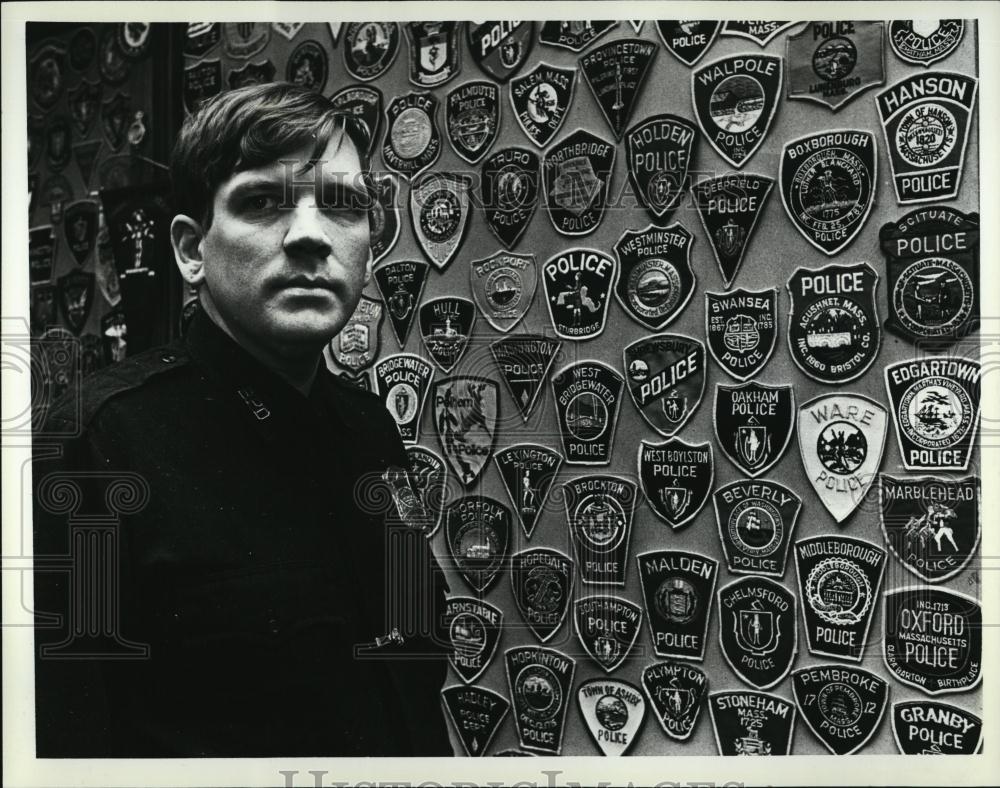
{"x":666,"y":378}
{"x":599,"y":513}
{"x":478,"y":531}
{"x":676,"y":478}
{"x":842,"y":705}
{"x":741,"y":328}
{"x":751,"y":723}
{"x":756,"y":520}
{"x":676,"y":692}
{"x":587,"y":396}
{"x":659,"y":154}
{"x":757,"y":631}
{"x":832,"y":63}
{"x":654,"y":280}
{"x":577,"y":173}
{"x":753,"y":424}
{"x":541,"y":580}
{"x":402,"y":382}
{"x":678,"y":591}
{"x":540,"y":681}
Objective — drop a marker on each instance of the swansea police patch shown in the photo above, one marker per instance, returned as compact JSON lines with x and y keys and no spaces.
{"x":832,"y":63}
{"x":500,"y":48}
{"x":607,"y":627}
{"x":678,"y":589}
{"x":466,"y":413}
{"x":446,"y":324}
{"x":472,"y":116}
{"x":542,"y":583}
{"x":401,"y":284}
{"x":412,"y":140}
{"x":587,"y":395}
{"x":477,"y":530}
{"x":577,"y":286}
{"x":729,"y":207}
{"x":659,"y":152}
{"x":925,"y":41}
{"x":666,"y":378}
{"x":751,"y":723}
{"x":614,"y":711}
{"x":370,"y":48}
{"x":599,"y":512}
{"x":928,"y":727}
{"x":476,"y":714}
{"x":616,"y":73}
{"x":524,"y":361}
{"x":676,"y":692}
{"x":503,"y":287}
{"x":756,"y":521}
{"x":365,"y":103}
{"x":577,"y":173}
{"x":574,"y":34}
{"x":541,"y":99}
{"x":757,"y":632}
{"x":360,"y":341}
{"x":439,"y":211}
{"x":688,"y":39}
{"x":741,"y":328}
{"x":540,"y":680}
{"x":434,"y":52}
{"x":527,"y":471}
{"x":402,"y":382}
{"x":655,"y":280}
{"x":676,"y":478}
{"x":842,"y":706}
{"x":474,"y":628}
{"x":753,"y":424}
{"x":510,"y":192}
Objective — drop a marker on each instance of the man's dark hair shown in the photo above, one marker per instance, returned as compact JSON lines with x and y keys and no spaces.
{"x":250,"y":127}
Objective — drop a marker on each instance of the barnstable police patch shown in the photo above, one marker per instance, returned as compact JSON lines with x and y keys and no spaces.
{"x":678,"y":589}
{"x":577,"y":286}
{"x":540,"y":681}
{"x":402,"y":382}
{"x":659,"y":153}
{"x":541,"y":100}
{"x":676,"y":478}
{"x":676,"y":692}
{"x":477,"y":530}
{"x":834,"y":62}
{"x":756,"y":520}
{"x":751,"y":723}
{"x":666,"y":378}
{"x":753,"y":424}
{"x":613,"y":710}
{"x":472,"y":116}
{"x":757,"y":632}
{"x":688,"y":39}
{"x":577,"y":173}
{"x":655,"y":280}
{"x":599,"y":512}
{"x":509,"y":189}
{"x":474,"y":628}
{"x":466,"y":413}
{"x":842,"y":705}
{"x":542,"y":583}
{"x":741,"y":328}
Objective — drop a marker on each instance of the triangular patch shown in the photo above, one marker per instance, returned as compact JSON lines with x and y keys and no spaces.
{"x":401,"y":284}
{"x":524,"y":362}
{"x":614,"y":711}
{"x":527,"y":471}
{"x":476,"y":714}
{"x":616,"y":73}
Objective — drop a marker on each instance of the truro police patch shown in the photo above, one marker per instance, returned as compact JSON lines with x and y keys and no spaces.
{"x":834,"y":62}
{"x":577,"y":286}
{"x":676,"y":692}
{"x":666,"y":378}
{"x":659,"y":153}
{"x":577,"y":172}
{"x":500,"y":48}
{"x":928,"y":727}
{"x":616,"y":73}
{"x":677,"y":589}
{"x":756,"y":521}
{"x":607,"y":627}
{"x":402,"y":382}
{"x":655,"y":280}
{"x":753,"y":424}
{"x":434,"y":52}
{"x":472,"y":117}
{"x":401,"y":284}
{"x":540,"y":680}
{"x":527,"y":471}
{"x":542,"y":583}
{"x":445,"y":327}
{"x":510,"y":192}
{"x":757,"y":632}
{"x":925,"y":41}
{"x":541,"y":100}
{"x":477,"y":530}
{"x":476,"y":714}
{"x":599,"y":512}
{"x":751,"y":723}
{"x":524,"y":361}
{"x":474,"y":627}
{"x":439,"y":210}
{"x":503,"y":287}
{"x":842,"y":706}
{"x":741,"y":328}
{"x":676,"y":478}
{"x":614,"y":711}
{"x":412,"y":140}
{"x":466,"y":413}
{"x":688,"y":39}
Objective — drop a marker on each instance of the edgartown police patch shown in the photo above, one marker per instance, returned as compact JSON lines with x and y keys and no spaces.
{"x":928,"y":727}
{"x":729,"y":207}
{"x":434,"y":52}
{"x":439,"y":211}
{"x":688,"y":39}
{"x":834,"y":62}
{"x":445,"y":327}
{"x":613,"y":710}
{"x":466,"y":413}
{"x":577,"y":286}
{"x":599,"y":513}
{"x":402,"y":382}
{"x":654,"y":280}
{"x":753,"y":424}
{"x":527,"y":471}
{"x":540,"y":680}
{"x":577,"y":172}
{"x":666,"y":377}
{"x":741,"y":328}
{"x":401,"y":284}
{"x":542,"y":583}
{"x":587,"y":395}
{"x":751,"y":723}
{"x":472,"y":116}
{"x":474,"y":628}
{"x":756,"y":521}
{"x":607,"y":627}
{"x":659,"y":153}
{"x":477,"y":529}
{"x":676,"y":478}
{"x":925,"y":41}
{"x":676,"y":692}
{"x":677,"y":588}
{"x":524,"y":361}
{"x":842,"y":706}
{"x":757,"y":632}
{"x":510,"y":192}
{"x":412,"y":141}
{"x":500,"y":48}
{"x":476,"y":714}
{"x":541,"y":99}
{"x":616,"y":73}
{"x":503,"y":287}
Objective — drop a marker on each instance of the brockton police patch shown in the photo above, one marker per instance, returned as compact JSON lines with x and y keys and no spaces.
{"x":541,"y":580}
{"x":655,"y":280}
{"x":832,"y":63}
{"x":678,"y":589}
{"x":676,"y":478}
{"x":541,"y":99}
{"x":472,"y":116}
{"x":676,"y":692}
{"x":477,"y":530}
{"x":842,"y":706}
{"x":402,"y":382}
{"x":659,"y":153}
{"x":751,"y":723}
{"x":577,"y":286}
{"x":577,"y":173}
{"x":666,"y":378}
{"x":741,"y":328}
{"x":753,"y":424}
{"x":928,"y":727}
{"x":756,"y":522}
{"x":599,"y":513}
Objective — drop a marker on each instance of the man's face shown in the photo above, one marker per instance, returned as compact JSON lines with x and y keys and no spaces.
{"x":287,"y":252}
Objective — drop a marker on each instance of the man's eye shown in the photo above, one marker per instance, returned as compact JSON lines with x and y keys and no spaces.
{"x":260,"y":202}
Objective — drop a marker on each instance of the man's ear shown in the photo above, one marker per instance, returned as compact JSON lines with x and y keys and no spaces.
{"x":186,"y":236}
{"x":368,"y":266}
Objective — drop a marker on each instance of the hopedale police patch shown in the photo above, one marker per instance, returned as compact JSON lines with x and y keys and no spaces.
{"x":478,"y":531}
{"x":741,"y":328}
{"x":753,"y":424}
{"x":676,"y":692}
{"x":613,"y":711}
{"x":599,"y":512}
{"x":678,"y":589}
{"x":751,"y":723}
{"x":587,"y":396}
{"x":842,"y":705}
{"x":654,"y":280}
{"x":756,"y":522}
{"x":577,"y":173}
{"x":666,"y":378}
{"x":676,"y":478}
{"x":542,"y":583}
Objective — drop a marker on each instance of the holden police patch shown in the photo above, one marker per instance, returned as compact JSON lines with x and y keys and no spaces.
{"x":412,"y":141}
{"x":931,"y":523}
{"x":472,"y":116}
{"x":574,"y":34}
{"x":928,"y":727}
{"x":503,"y":287}
{"x":76,"y":296}
{"x":542,"y":581}
{"x":925,"y":41}
{"x":607,"y":627}
{"x":841,"y":439}
{"x":756,"y":521}
{"x":614,"y":711}
{"x":401,"y":284}
{"x":926,"y":119}
{"x":577,"y":173}
{"x":753,"y":424}
{"x":445,"y":327}
{"x":474,"y":627}
{"x":434,"y":52}
{"x":616,"y":73}
{"x":365,"y":103}
{"x":741,"y":328}
{"x":757,"y":632}
{"x":666,"y":378}
{"x":428,"y":478}
{"x":510,"y":193}
{"x":677,"y":589}
{"x":932,"y":261}
{"x":599,"y":512}
{"x":477,"y":529}
{"x":654,"y":280}
{"x":500,"y":48}
{"x":370,"y":48}
{"x":359,"y":342}
{"x":729,"y":207}
{"x":80,"y":226}
{"x":834,"y":62}
{"x":676,"y":692}
{"x":828,"y":185}
{"x":541,"y":99}
{"x":659,"y":153}
{"x":760,"y":31}
{"x":734,"y":101}
{"x":527,"y":471}
{"x":439,"y":211}
{"x":466,"y":413}
{"x":587,"y":396}
{"x":524,"y":361}
{"x":935,"y":406}
{"x":842,"y":706}
{"x":751,"y":723}
{"x":402,"y":382}
{"x":540,"y":681}
{"x":933,"y":639}
{"x":833,"y":331}
{"x":577,"y":286}
{"x":688,"y":39}
{"x":676,"y":478}
{"x":839,"y":578}
{"x":476,"y":714}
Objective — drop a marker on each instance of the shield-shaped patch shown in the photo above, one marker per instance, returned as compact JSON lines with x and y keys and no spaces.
{"x":542,"y":582}
{"x":429,"y":479}
{"x":474,"y":628}
{"x":503,"y":287}
{"x":434,"y":52}
{"x":500,"y":48}
{"x":510,"y":192}
{"x":757,"y":630}
{"x":842,"y":705}
{"x":466,"y":413}
{"x":741,"y":328}
{"x":477,"y":529}
{"x":756,"y":521}
{"x":476,"y":714}
{"x":587,"y":396}
{"x":676,"y":692}
{"x":76,"y":297}
{"x":577,"y":172}
{"x":359,"y":342}
{"x":541,"y":100}
{"x":412,"y":140}
{"x":577,"y":286}
{"x":614,"y":711}
{"x":402,"y":382}
{"x":80,"y":227}
{"x":676,"y":478}
{"x":655,"y":280}
{"x":259,"y":73}
{"x":599,"y":512}
{"x":660,"y":150}
{"x":446,"y":325}
{"x":200,"y":82}
{"x":84,"y":103}
{"x":365,"y":103}
{"x":115,"y":113}
{"x":751,"y":723}
{"x":753,"y":424}
{"x":834,"y":62}
{"x":607,"y":627}
{"x":472,"y":117}
{"x":688,"y":39}
{"x":540,"y":680}
{"x":666,"y":378}
{"x":439,"y":211}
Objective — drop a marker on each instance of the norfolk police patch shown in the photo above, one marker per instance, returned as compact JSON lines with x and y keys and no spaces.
{"x":402,"y":382}
{"x":659,"y":153}
{"x":613,"y":710}
{"x":616,"y":73}
{"x":757,"y":632}
{"x":688,"y":39}
{"x":477,"y":530}
{"x":577,"y":286}
{"x":666,"y":378}
{"x":540,"y":681}
{"x":527,"y":471}
{"x":654,"y":280}
{"x":741,"y":328}
{"x":472,"y":116}
{"x":676,"y":692}
{"x":474,"y":627}
{"x":577,"y":172}
{"x":753,"y":424}
{"x":832,"y":63}
{"x":607,"y":627}
{"x":677,"y":588}
{"x":445,"y":327}
{"x":676,"y":478}
{"x":756,"y":521}
{"x":599,"y":512}
{"x":541,"y":100}
{"x":542,"y":583}
{"x":412,"y":141}
{"x":401,"y":284}
{"x":587,"y":395}
{"x":751,"y":723}
{"x":842,"y":705}
{"x":466,"y":412}
{"x":510,"y":192}
{"x":500,"y":48}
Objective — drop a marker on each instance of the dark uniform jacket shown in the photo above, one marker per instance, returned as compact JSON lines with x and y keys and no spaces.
{"x":210,"y":547}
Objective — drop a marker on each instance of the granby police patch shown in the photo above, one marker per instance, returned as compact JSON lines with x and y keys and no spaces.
{"x":542,"y":583}
{"x":574,"y":34}
{"x":599,"y":512}
{"x":655,"y":280}
{"x":616,"y":73}
{"x":677,"y":588}
{"x":472,"y":117}
{"x":359,"y":342}
{"x":688,"y":39}
{"x":925,"y":41}
{"x":370,"y":48}
{"x":401,"y":284}
{"x":527,"y":471}
{"x":757,"y":632}
{"x":666,"y":378}
{"x":842,"y":705}
{"x":607,"y":627}
{"x":500,"y":48}
{"x":613,"y":710}
{"x":445,"y":327}
{"x":741,"y":328}
{"x":540,"y":681}
{"x":676,"y":478}
{"x":477,"y":530}
{"x":928,"y":727}
{"x":474,"y":627}
{"x":466,"y":413}
{"x":434,"y":52}
{"x":753,"y":424}
{"x":659,"y":153}
{"x":402,"y":382}
{"x":756,"y":521}
{"x":510,"y":192}
{"x":541,"y":100}
{"x":760,"y":31}
{"x":676,"y":692}
{"x":751,"y":723}
{"x":734,"y":101}
{"x":828,"y":185}
{"x":503,"y":287}
{"x":439,"y":211}
{"x":412,"y":140}
{"x":524,"y":361}
{"x":577,"y":286}
{"x":476,"y":714}
{"x":834,"y":62}
{"x":587,"y":395}
{"x":577,"y":172}
{"x":365,"y":103}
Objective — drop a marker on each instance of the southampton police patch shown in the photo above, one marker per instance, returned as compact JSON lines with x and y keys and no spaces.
{"x":676,"y":478}
{"x":587,"y":395}
{"x":577,"y":286}
{"x":500,"y":48}
{"x":412,"y":140}
{"x":577,"y":173}
{"x":751,"y":723}
{"x":832,"y":63}
{"x":616,"y":73}
{"x":527,"y":471}
{"x":659,"y":153}
{"x":688,"y":39}
{"x":654,"y":280}
{"x":756,"y":521}
{"x":510,"y":192}
{"x":925,"y":41}
{"x":666,"y":377}
{"x":477,"y":530}
{"x":524,"y":361}
{"x":466,"y":413}
{"x":541,"y":100}
{"x":741,"y":328}
{"x":540,"y":680}
{"x":402,"y":382}
{"x":757,"y":632}
{"x":503,"y":287}
{"x":842,"y":705}
{"x":599,"y":512}
{"x":542,"y":583}
{"x":445,"y":327}
{"x":607,"y":627}
{"x":928,"y":727}
{"x":474,"y":628}
{"x":476,"y":714}
{"x":753,"y":424}
{"x":676,"y":692}
{"x":472,"y":117}
{"x":613,"y":710}
{"x":439,"y":211}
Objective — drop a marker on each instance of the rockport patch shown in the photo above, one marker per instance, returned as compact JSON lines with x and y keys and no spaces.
{"x":741,"y":328}
{"x":753,"y":424}
{"x":676,"y":692}
{"x":666,"y":378}
{"x":477,"y":530}
{"x":527,"y":471}
{"x":834,"y":62}
{"x":729,"y":207}
{"x":751,"y":723}
{"x":654,"y":280}
{"x":842,"y":706}
{"x":756,"y":521}
{"x":402,"y":382}
{"x":676,"y":478}
{"x":599,"y":513}
{"x":678,"y":591}
{"x":503,"y":287}
{"x":542,"y":581}
{"x":757,"y":632}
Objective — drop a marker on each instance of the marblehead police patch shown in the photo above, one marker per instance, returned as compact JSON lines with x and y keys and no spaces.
{"x":577,"y":173}
{"x":541,"y":100}
{"x":666,"y":378}
{"x":510,"y":192}
{"x":607,"y":627}
{"x":370,"y":48}
{"x":688,"y":39}
{"x":527,"y":471}
{"x":676,"y":692}
{"x":542,"y":583}
{"x":574,"y":34}
{"x":466,"y":413}
{"x":412,"y":140}
{"x":500,"y":48}
{"x":753,"y":424}
{"x":834,"y":62}
{"x":503,"y":287}
{"x":925,"y":41}
{"x":524,"y":361}
{"x":677,"y":589}
{"x":655,"y":280}
{"x":476,"y":714}
{"x":613,"y":710}
{"x":741,"y":328}
{"x":439,"y":210}
{"x":616,"y":72}
{"x":472,"y":117}
{"x":402,"y":383}
{"x":477,"y":530}
{"x":474,"y":628}
{"x":540,"y":681}
{"x":842,"y":705}
{"x":751,"y":723}
{"x":928,"y":727}
{"x":434,"y":52}
{"x":676,"y":478}
{"x":729,"y":207}
{"x":599,"y":513}
{"x":577,"y":285}
{"x":756,"y":521}
{"x":401,"y":283}
{"x":446,"y":324}
{"x":660,"y":151}
{"x":757,"y":632}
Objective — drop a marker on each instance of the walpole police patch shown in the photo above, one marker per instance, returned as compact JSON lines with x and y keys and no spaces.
{"x":607,"y":627}
{"x":540,"y":681}
{"x":925,"y":41}
{"x":434,"y":52}
{"x":359,"y":342}
{"x":445,"y":327}
{"x":751,"y":723}
{"x":599,"y":513}
{"x":574,"y":34}
{"x":614,"y":711}
{"x":688,"y":39}
{"x":756,"y":521}
{"x":757,"y":632}
{"x":439,"y":211}
{"x":541,"y":100}
{"x":472,"y":117}
{"x":587,"y":395}
{"x":541,"y":580}
{"x":503,"y":287}
{"x":677,"y":589}
{"x":655,"y":280}
{"x":476,"y":714}
{"x":616,"y":73}
{"x":474,"y":628}
{"x":510,"y":192}
{"x":402,"y":382}
{"x":527,"y":471}
{"x":842,"y":706}
{"x":832,"y":63}
{"x":928,"y":727}
{"x":666,"y":377}
{"x":412,"y":140}
{"x":741,"y":328}
{"x":370,"y":48}
{"x":753,"y":424}
{"x":524,"y":361}
{"x":477,"y":529}
{"x":659,"y":153}
{"x":466,"y":413}
{"x":500,"y":48}
{"x":577,"y":173}
{"x":676,"y":478}
{"x":365,"y":103}
{"x":577,"y":286}
{"x":676,"y":692}
{"x":401,"y":284}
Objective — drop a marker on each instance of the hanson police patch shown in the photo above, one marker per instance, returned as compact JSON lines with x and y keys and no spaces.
{"x":757,"y":630}
{"x":659,"y":154}
{"x":676,"y":478}
{"x":466,"y":412}
{"x":613,"y":710}
{"x":541,"y":100}
{"x":655,"y":280}
{"x":474,"y":628}
{"x":741,"y":328}
{"x":842,"y":706}
{"x":577,"y":286}
{"x":509,"y":191}
{"x":599,"y":512}
{"x":678,"y":590}
{"x":402,"y":382}
{"x":834,"y":62}
{"x":756,"y":521}
{"x":676,"y":692}
{"x":607,"y":627}
{"x":753,"y":424}
{"x":478,"y":530}
{"x":472,"y":117}
{"x":751,"y":723}
{"x":666,"y":378}
{"x":616,"y":73}
{"x":688,"y":39}
{"x":577,"y":172}
{"x":527,"y":471}
{"x":929,"y":727}
{"x":540,"y":681}
{"x":541,"y":580}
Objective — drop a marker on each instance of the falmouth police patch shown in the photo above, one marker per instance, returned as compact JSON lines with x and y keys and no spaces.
{"x":474,"y":627}
{"x":370,"y":48}
{"x":751,"y":723}
{"x":729,"y":207}
{"x":577,"y":286}
{"x":542,"y":582}
{"x":445,"y":327}
{"x":741,"y":328}
{"x":841,"y":705}
{"x":655,"y":280}
{"x":472,"y":116}
{"x":476,"y":714}
{"x":359,"y":342}
{"x":540,"y":680}
{"x":613,"y":710}
{"x":365,"y":103}
{"x":541,"y":99}
{"x":616,"y":73}
{"x":928,"y":727}
{"x":527,"y":471}
{"x":756,"y":521}
{"x":434,"y":52}
{"x":599,"y":512}
{"x":757,"y":632}
{"x":676,"y":478}
{"x":753,"y":424}
{"x":402,"y":382}
{"x":676,"y":692}
{"x":503,"y":287}
{"x":574,"y":34}
{"x":688,"y":39}
{"x":925,"y":41}
{"x":439,"y":211}
{"x":477,"y":530}
{"x":666,"y":377}
{"x":412,"y":140}
{"x":524,"y":361}
{"x":577,"y":172}
{"x":500,"y":48}
{"x":677,"y":588}
{"x":607,"y":627}
{"x":510,"y":192}
{"x":659,"y":152}
{"x":401,"y":284}
{"x":834,"y":62}
{"x":466,"y":413}
{"x":587,"y":396}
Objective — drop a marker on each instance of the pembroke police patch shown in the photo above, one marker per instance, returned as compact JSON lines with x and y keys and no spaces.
{"x":842,"y":706}
{"x":599,"y":512}
{"x":688,"y":39}
{"x":760,"y":31}
{"x":607,"y":627}
{"x":751,"y":723}
{"x":676,"y":478}
{"x":659,"y":153}
{"x":655,"y":280}
{"x":500,"y":48}
{"x":541,"y":100}
{"x":401,"y":284}
{"x":434,"y":52}
{"x":666,"y":378}
{"x":574,"y":34}
{"x":542,"y":583}
{"x":476,"y":714}
{"x":359,"y":342}
{"x":446,"y":325}
{"x":577,"y":173}
{"x":728,"y":207}
{"x":577,"y":285}
{"x":741,"y":328}
{"x":370,"y":48}
{"x":540,"y":680}
{"x":477,"y":529}
{"x":365,"y":103}
{"x":524,"y":361}
{"x":676,"y":692}
{"x":928,"y":727}
{"x":587,"y":397}
{"x":616,"y":73}
{"x":503,"y":287}
{"x":527,"y":471}
{"x":925,"y":41}
{"x":402,"y":382}
{"x":472,"y":117}
{"x":510,"y":192}
{"x":474,"y":627}
{"x":834,"y":62}
{"x":439,"y":211}
{"x":466,"y":413}
{"x":678,"y":592}
{"x":756,"y":521}
{"x":75,"y":291}
{"x":757,"y":630}
{"x":428,"y":478}
{"x":412,"y":140}
{"x":753,"y":424}
{"x":613,"y":711}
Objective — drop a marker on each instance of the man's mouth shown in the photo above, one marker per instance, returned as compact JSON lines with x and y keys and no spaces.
{"x":308,"y":283}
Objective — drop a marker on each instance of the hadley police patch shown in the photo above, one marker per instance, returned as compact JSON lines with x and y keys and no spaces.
{"x":370,"y":48}
{"x":729,"y":207}
{"x":527,"y":471}
{"x":741,"y":328}
{"x":364,"y":103}
{"x":476,"y":714}
{"x":540,"y":680}
{"x":834,"y":62}
{"x":402,"y":382}
{"x":445,"y":327}
{"x":753,"y":424}
{"x":439,"y":211}
{"x":472,"y":117}
{"x":757,"y":632}
{"x":616,"y":73}
{"x":607,"y":627}
{"x":928,"y":727}
{"x":434,"y":52}
{"x":541,"y":99}
{"x":500,"y":48}
{"x":654,"y":280}
{"x":751,"y":723}
{"x":677,"y":588}
{"x":676,"y":692}
{"x":577,"y":286}
{"x":428,"y":478}
{"x":401,"y":284}
{"x":613,"y":710}
{"x":577,"y":172}
{"x":474,"y":627}
{"x":359,"y":342}
{"x":599,"y":512}
{"x":842,"y":705}
{"x":676,"y":478}
{"x":688,"y":39}
{"x":510,"y":192}
{"x":756,"y":520}
{"x":477,"y":530}
{"x":659,"y":153}
{"x":925,"y":41}
{"x":466,"y":412}
{"x":574,"y":34}
{"x":666,"y":378}
{"x":587,"y":395}
{"x":524,"y":361}
{"x":503,"y":287}
{"x":542,"y":582}
{"x":412,"y":141}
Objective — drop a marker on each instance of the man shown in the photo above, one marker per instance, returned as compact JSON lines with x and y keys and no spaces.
{"x":211,"y":541}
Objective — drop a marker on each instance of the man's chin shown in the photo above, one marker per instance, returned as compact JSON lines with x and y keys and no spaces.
{"x":308,"y":328}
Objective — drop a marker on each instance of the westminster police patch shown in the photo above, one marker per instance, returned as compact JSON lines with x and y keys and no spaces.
{"x":654,"y":280}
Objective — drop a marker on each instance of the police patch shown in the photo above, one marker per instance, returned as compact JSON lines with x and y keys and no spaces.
{"x":245,"y":39}
{"x":76,"y":296}
{"x":926,"y":119}
{"x":677,"y":589}
{"x":370,"y":48}
{"x":587,"y":395}
{"x":85,"y":154}
{"x":43,"y":307}
{"x":200,"y":82}
{"x":542,"y":582}
{"x":41,"y":253}
{"x":933,"y":639}
{"x":115,"y":67}
{"x":80,"y":228}
{"x":729,"y":207}
{"x":931,"y":523}
{"x":510,"y":193}
{"x":838,"y":577}
{"x":401,"y":284}
{"x":577,"y":286}
{"x":676,"y":692}
{"x":59,"y":133}
{"x":477,"y":529}
{"x":927,"y":727}
{"x":500,"y":48}
{"x":359,"y":342}
{"x":751,"y":723}
{"x":199,"y":37}
{"x":476,"y":714}
{"x":47,"y":73}
{"x":540,"y":680}
{"x":445,"y":327}
{"x":607,"y":627}
{"x":428,"y":478}
{"x":734,"y":101}
{"x":412,"y":141}
{"x":439,"y":211}
{"x":757,"y":632}
{"x":365,"y":104}
{"x":577,"y":173}
{"x":524,"y":361}
{"x":655,"y":280}
{"x":527,"y":471}
{"x":472,"y":117}
{"x":599,"y":512}
{"x":832,"y":63}
{"x":308,"y":66}
{"x":828,"y":185}
{"x":614,"y":711}
{"x":503,"y":287}
{"x":574,"y":34}
{"x":466,"y":413}
{"x":616,"y":73}
{"x":474,"y":628}
{"x":251,"y":74}
{"x":659,"y":152}
{"x":402,"y":382}
{"x":541,"y":99}
{"x":753,"y":424}
{"x":756,"y":521}
{"x":83,"y":47}
{"x":688,"y":39}
{"x":676,"y":478}
{"x":760,"y":31}
{"x":741,"y":328}
{"x":842,"y":706}
{"x":84,"y":103}
{"x":666,"y":378}
{"x":925,"y":41}
{"x":841,"y":439}
{"x":434,"y":52}
{"x":935,"y":406}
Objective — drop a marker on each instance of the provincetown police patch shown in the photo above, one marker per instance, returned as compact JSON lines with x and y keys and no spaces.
{"x":577,"y":173}
{"x":607,"y":627}
{"x":616,"y":72}
{"x":509,"y":190}
{"x":757,"y":632}
{"x":527,"y":471}
{"x":401,"y":284}
{"x":925,"y":41}
{"x":678,"y":592}
{"x":402,"y":382}
{"x":541,"y":580}
{"x":688,"y":39}
{"x":676,"y":692}
{"x":540,"y":680}
{"x":666,"y":379}
{"x":655,"y":280}
{"x":474,"y":628}
{"x":599,"y":514}
{"x":466,"y":414}
{"x":751,"y":723}
{"x":577,"y":285}
{"x":834,"y":62}
{"x":524,"y":361}
{"x":613,"y":711}
{"x":477,"y":531}
{"x":503,"y":287}
{"x":541,"y":100}
{"x":756,"y":522}
{"x":472,"y":117}
{"x":842,"y":705}
{"x":753,"y":424}
{"x":676,"y":478}
{"x":412,"y":140}
{"x":500,"y":48}
{"x":928,"y":727}
{"x":476,"y":714}
{"x":741,"y":328}
{"x":659,"y":153}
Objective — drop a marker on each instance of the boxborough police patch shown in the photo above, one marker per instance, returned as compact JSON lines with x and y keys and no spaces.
{"x":678,"y":590}
{"x":741,"y":328}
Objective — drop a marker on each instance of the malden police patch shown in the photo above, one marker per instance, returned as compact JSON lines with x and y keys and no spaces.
{"x":741,"y":328}
{"x":666,"y":378}
{"x":654,"y":280}
{"x":599,"y":512}
{"x":678,"y":588}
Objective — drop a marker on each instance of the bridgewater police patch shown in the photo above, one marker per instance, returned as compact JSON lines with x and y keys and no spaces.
{"x":599,"y":512}
{"x":925,"y":41}
{"x":402,"y":382}
{"x":503,"y":287}
{"x":541,"y":99}
{"x":540,"y":680}
{"x":676,"y":478}
{"x":757,"y":632}
{"x":370,"y":48}
{"x":842,"y":706}
{"x":474,"y":627}
{"x":607,"y":627}
{"x":574,"y":34}
{"x":666,"y":377}
{"x":472,"y":116}
{"x":577,"y":173}
{"x":577,"y":286}
{"x":741,"y":328}
{"x":587,"y":395}
{"x":760,"y":31}
{"x":542,"y":583}
{"x":476,"y":714}
{"x":751,"y":723}
{"x":753,"y":424}
{"x":756,"y":521}
{"x":428,"y":478}
{"x":928,"y":727}
{"x":676,"y":692}
{"x":510,"y":192}
{"x":677,"y":588}
{"x":434,"y":52}
{"x":614,"y":711}
{"x":466,"y":413}
{"x":500,"y":48}
{"x":439,"y":211}
{"x":616,"y":73}
{"x":729,"y":207}
{"x":360,"y":341}
{"x":659,"y":153}
{"x":654,"y":280}
{"x":524,"y":361}
{"x":401,"y":284}
{"x":365,"y":103}
{"x":527,"y":471}
{"x":832,"y":63}
{"x":688,"y":39}
{"x":412,"y":140}
{"x":445,"y":327}
{"x":477,"y":530}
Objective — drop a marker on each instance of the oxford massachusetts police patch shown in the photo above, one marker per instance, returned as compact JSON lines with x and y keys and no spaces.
{"x":542,"y":583}
{"x":359,"y":342}
{"x":476,"y":714}
{"x":510,"y":192}
{"x":434,"y":52}
{"x":757,"y":632}
{"x":540,"y":680}
{"x":401,"y":284}
{"x":753,"y":424}
{"x":677,"y":589}
{"x":607,"y":627}
{"x":364,"y":103}
{"x":666,"y":378}
{"x":474,"y":627}
{"x":842,"y":706}
{"x":832,"y":63}
{"x":760,"y":31}
{"x":751,"y":723}
{"x":477,"y":529}
{"x":574,"y":34}
{"x":833,"y":330}
{"x":402,"y":382}
{"x":654,"y":280}
{"x":756,"y":521}
{"x":466,"y":412}
{"x":527,"y":471}
{"x":577,"y":286}
{"x":933,"y":639}
{"x":828,"y":185}
{"x":588,"y":396}
{"x":659,"y":153}
{"x":412,"y":140}
{"x":676,"y":478}
{"x":676,"y":692}
{"x":734,"y":102}
{"x":503,"y":287}
{"x":613,"y":710}
{"x":729,"y":207}
{"x":524,"y":361}
{"x":741,"y":328}
{"x":928,"y":727}
{"x":445,"y":327}
{"x":599,"y":512}
{"x":931,"y":523}
{"x":370,"y":48}
{"x":439,"y":211}
{"x":472,"y":116}
{"x":688,"y":39}
{"x":935,"y":406}
{"x":616,"y":73}
{"x":839,"y":578}
{"x":429,"y":479}
{"x":577,"y":172}
{"x":541,"y":99}
{"x":500,"y":48}
{"x":925,"y":41}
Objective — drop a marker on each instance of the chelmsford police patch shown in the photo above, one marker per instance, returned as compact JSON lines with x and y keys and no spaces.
{"x":587,"y":396}
{"x":428,"y":478}
{"x":688,"y":39}
{"x":659,"y":153}
{"x":676,"y":478}
{"x":577,"y":286}
{"x":370,"y":48}
{"x":928,"y":727}
{"x":753,"y":424}
{"x":472,"y":116}
{"x":839,"y":577}
{"x":607,"y":627}
{"x":466,"y":412}
{"x":365,"y":103}
{"x":926,"y":120}
{"x":760,"y":31}
{"x":616,"y":73}
{"x":503,"y":287}
{"x":834,"y":62}
{"x":401,"y":284}
{"x":935,"y":406}
{"x":599,"y":512}
{"x":434,"y":52}
{"x":412,"y":141}
{"x":476,"y":714}
{"x":577,"y":172}
{"x":756,"y":521}
{"x":500,"y":48}
{"x":676,"y":692}
{"x":574,"y":34}
{"x":741,"y":328}
{"x":359,"y":342}
{"x":541,"y":99}
{"x":540,"y":681}
{"x":524,"y":361}
{"x":510,"y":193}
{"x":925,"y":41}
{"x":474,"y":627}
{"x":542,"y":582}
{"x":842,"y":705}
{"x":439,"y":211}
{"x":751,"y":723}
{"x":666,"y":377}
{"x":614,"y":711}
{"x":734,"y":101}
{"x":527,"y":471}
{"x":930,"y":523}
{"x":828,"y":185}
{"x":445,"y":327}
{"x":477,"y":530}
{"x":655,"y":280}
{"x":757,"y":632}
{"x":933,"y":639}
{"x":729,"y":207}
{"x":402,"y":382}
{"x":678,"y":589}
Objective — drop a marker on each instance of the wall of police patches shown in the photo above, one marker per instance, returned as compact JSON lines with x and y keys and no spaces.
{"x":684,"y":315}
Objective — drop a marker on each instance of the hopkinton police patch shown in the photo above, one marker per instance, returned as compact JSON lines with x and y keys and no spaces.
{"x":540,"y":680}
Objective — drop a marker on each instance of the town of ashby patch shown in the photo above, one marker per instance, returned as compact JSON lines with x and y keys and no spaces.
{"x":676,"y":478}
{"x":926,"y":119}
{"x":76,"y":296}
{"x":659,"y":153}
{"x":757,"y":632}
{"x":932,"y":261}
{"x":931,"y":523}
{"x":614,"y":711}
{"x":477,"y":529}
{"x":838,"y":577}
{"x":933,"y":639}
{"x":466,"y":413}
{"x":360,"y":341}
{"x":574,"y":34}
{"x":587,"y":395}
{"x":599,"y":513}
{"x":445,"y":327}
{"x":616,"y":73}
{"x":541,"y":99}
{"x":753,"y":424}
{"x":540,"y":680}
{"x":688,"y":39}
{"x":474,"y":628}
{"x":607,"y":627}
{"x":760,"y":31}
{"x":401,"y":284}
{"x":677,"y":588}
{"x":503,"y":287}
{"x":439,"y":211}
{"x":577,"y":286}
{"x":542,"y":581}
{"x":756,"y":520}
{"x":434,"y":52}
{"x":734,"y":101}
{"x":476,"y":714}
{"x":365,"y":103}
{"x":472,"y":116}
{"x":834,"y":62}
{"x":841,"y":440}
{"x":842,"y":706}
{"x":412,"y":140}
{"x":935,"y":406}
{"x":577,"y":172}
{"x":751,"y":723}
{"x":500,"y":48}
{"x":524,"y":361}
{"x":510,"y":192}
{"x":729,"y":207}
{"x":828,"y":185}
{"x":741,"y":328}
{"x":666,"y":378}
{"x":676,"y":692}
{"x":527,"y":471}
{"x":370,"y":48}
{"x":833,"y":330}
{"x":654,"y":280}
{"x":928,"y":727}
{"x":402,"y":382}
{"x":428,"y":478}
{"x":925,"y":41}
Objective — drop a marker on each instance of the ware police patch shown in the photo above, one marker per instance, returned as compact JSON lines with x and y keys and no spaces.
{"x":446,"y":324}
{"x":659,"y":153}
{"x":370,"y":48}
{"x":439,"y":211}
{"x":676,"y":478}
{"x":412,"y":140}
{"x":677,"y":589}
{"x":832,"y":63}
{"x":925,"y":41}
{"x":741,"y":328}
{"x":402,"y":382}
{"x":676,"y":692}
{"x":500,"y":48}
{"x":527,"y":471}
{"x":540,"y":680}
{"x":599,"y":512}
{"x":472,"y":117}
{"x":541,"y":100}
{"x":524,"y":361}
{"x":613,"y":711}
{"x":466,"y":413}
{"x":607,"y":627}
{"x":434,"y":52}
{"x":756,"y":521}
{"x":666,"y":378}
{"x":365,"y":103}
{"x":757,"y":632}
{"x":577,"y":173}
{"x":401,"y":284}
{"x":503,"y":287}
{"x":577,"y":286}
{"x":655,"y":280}
{"x":360,"y":341}
{"x":474,"y":628}
{"x":688,"y":39}
{"x":842,"y":706}
{"x":476,"y":714}
{"x":753,"y":424}
{"x":542,"y":583}
{"x":574,"y":34}
{"x":510,"y":192}
{"x":928,"y":727}
{"x":751,"y":723}
{"x":477,"y":530}
{"x":616,"y":73}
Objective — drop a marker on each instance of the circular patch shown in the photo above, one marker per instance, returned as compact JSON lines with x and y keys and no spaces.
{"x":838,"y":591}
{"x":935,"y":413}
{"x":411,"y":133}
{"x":841,"y":447}
{"x":933,"y":297}
{"x":926,"y":134}
{"x":542,"y":100}
{"x":654,"y":288}
{"x":307,"y":66}
{"x":586,"y":416}
{"x":601,"y":520}
{"x":440,"y":215}
{"x":503,"y":289}
{"x":676,"y":600}
{"x":543,"y":589}
{"x":756,"y":527}
{"x":537,"y":687}
{"x":830,"y":189}
{"x":611,"y":712}
{"x":839,"y":704}
{"x":736,"y":103}
{"x":835,"y":58}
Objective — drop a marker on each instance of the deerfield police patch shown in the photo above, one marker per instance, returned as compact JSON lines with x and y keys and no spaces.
{"x":607,"y":627}
{"x":925,"y":41}
{"x":503,"y":287}
{"x":510,"y":192}
{"x":834,"y":62}
{"x":524,"y":361}
{"x":439,"y":211}
{"x":540,"y":680}
{"x":587,"y":395}
{"x":434,"y":52}
{"x":370,"y":48}
{"x":688,"y":39}
{"x":445,"y":327}
{"x":476,"y":714}
{"x":472,"y":116}
{"x":729,"y":207}
{"x":412,"y":140}
{"x":542,"y":583}
{"x":677,"y":589}
{"x":402,"y":382}
{"x":359,"y":342}
{"x":676,"y":478}
{"x":541,"y":100}
{"x":613,"y":710}
{"x":599,"y":512}
{"x":756,"y":521}
{"x":574,"y":34}
{"x":676,"y":692}
{"x":654,"y":280}
{"x":477,"y":530}
{"x":753,"y":424}
{"x":527,"y":471}
{"x":928,"y":727}
{"x":757,"y":632}
{"x":401,"y":284}
{"x":616,"y":73}
{"x":577,"y":286}
{"x":741,"y":328}
{"x":659,"y":154}
{"x":666,"y":378}
{"x":500,"y":48}
{"x":577,"y":173}
{"x":466,"y":413}
{"x":474,"y":628}
{"x":842,"y":706}
{"x":751,"y":723}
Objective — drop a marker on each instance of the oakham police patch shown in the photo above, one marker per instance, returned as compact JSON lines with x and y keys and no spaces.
{"x":541,"y":100}
{"x":729,"y":207}
{"x":666,"y":378}
{"x":365,"y":103}
{"x":659,"y":154}
{"x":434,"y":52}
{"x":439,"y":210}
{"x":541,"y":580}
{"x":925,"y":41}
{"x":574,"y":34}
{"x":577,"y":172}
{"x":842,"y":706}
{"x":477,"y":530}
{"x":524,"y":361}
{"x":503,"y":287}
{"x":577,"y":286}
{"x":756,"y":522}
{"x":688,"y":39}
{"x":445,"y":327}
{"x":588,"y":395}
{"x":472,"y":117}
{"x":500,"y":48}
{"x":926,"y":120}
{"x":832,"y":63}
{"x":476,"y":714}
{"x":616,"y":73}
{"x":757,"y":632}
{"x":370,"y":48}
{"x":655,"y":280}
{"x":540,"y":681}
{"x":741,"y":328}
{"x":607,"y":627}
{"x":753,"y":424}
{"x":828,"y":185}
{"x":359,"y":342}
{"x":599,"y":512}
{"x":614,"y":711}
{"x":510,"y":192}
{"x":474,"y":627}
{"x":928,"y":727}
{"x":751,"y":723}
{"x":676,"y":692}
{"x":412,"y":140}
{"x":527,"y":471}
{"x":678,"y":591}
{"x":402,"y":382}
{"x":676,"y":478}
{"x":466,"y":412}
{"x":401,"y":284}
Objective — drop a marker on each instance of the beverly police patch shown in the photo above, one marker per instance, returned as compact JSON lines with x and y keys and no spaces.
{"x":756,"y":521}
{"x":655,"y":280}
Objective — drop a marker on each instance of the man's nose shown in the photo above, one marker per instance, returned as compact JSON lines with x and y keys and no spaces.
{"x":306,"y":234}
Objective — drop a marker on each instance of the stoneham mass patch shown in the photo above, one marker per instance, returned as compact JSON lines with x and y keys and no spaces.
{"x":751,"y":723}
